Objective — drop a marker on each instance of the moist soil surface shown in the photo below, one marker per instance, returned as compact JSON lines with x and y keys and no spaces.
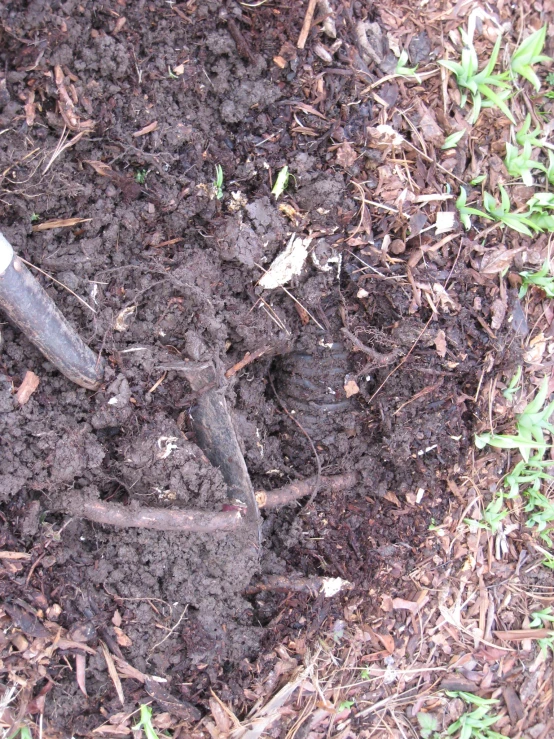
{"x":149,"y":100}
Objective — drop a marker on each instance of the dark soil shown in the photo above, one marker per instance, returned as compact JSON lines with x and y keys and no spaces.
{"x":171,"y":270}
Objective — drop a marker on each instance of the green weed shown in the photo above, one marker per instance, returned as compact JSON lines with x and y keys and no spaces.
{"x":541,"y":211}
{"x":475,"y":724}
{"x":513,"y":386}
{"x":403,"y":71}
{"x":528,"y":54}
{"x":281,"y":183}
{"x":542,"y":278}
{"x":428,"y":726}
{"x":480,"y":84}
{"x":141,"y":175}
{"x":218,"y":182}
{"x":501,"y":212}
{"x":35,"y":217}
{"x":145,"y":723}
{"x":451,"y":142}
{"x":542,"y":619}
{"x":525,"y":135}
{"x":519,"y":162}
{"x":466,"y":211}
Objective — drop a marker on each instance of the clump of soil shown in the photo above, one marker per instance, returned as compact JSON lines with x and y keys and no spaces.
{"x":170,"y":270}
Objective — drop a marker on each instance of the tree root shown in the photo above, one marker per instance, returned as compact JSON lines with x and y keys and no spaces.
{"x":172,"y":519}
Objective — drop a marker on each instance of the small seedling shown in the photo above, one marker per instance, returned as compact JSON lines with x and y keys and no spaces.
{"x":480,"y":84}
{"x":550,"y":167}
{"x":466,"y":211}
{"x":451,"y":142}
{"x":530,"y":426}
{"x":343,"y":705}
{"x":218,"y":182}
{"x":171,"y":73}
{"x":35,"y":217}
{"x":145,"y":723}
{"x":541,"y":210}
{"x":428,"y":725}
{"x":281,"y":182}
{"x":519,"y":162}
{"x":402,"y":70}
{"x":528,"y":54}
{"x":513,"y":387}
{"x":478,"y":180}
{"x":525,"y":135}
{"x":492,"y":516}
{"x":542,"y":619}
{"x":141,"y":175}
{"x":542,"y":279}
{"x":520,"y":222}
{"x":475,"y":724}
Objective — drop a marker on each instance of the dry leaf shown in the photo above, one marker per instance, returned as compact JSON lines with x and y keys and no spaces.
{"x":60,"y":223}
{"x":346,"y":156}
{"x":498,"y":312}
{"x":288,"y":264}
{"x":27,"y":387}
{"x":119,"y":24}
{"x":537,"y":347}
{"x":399,"y":604}
{"x":497,"y":260}
{"x":387,"y":641}
{"x":116,"y":619}
{"x":80,"y":667}
{"x":383,"y":137}
{"x":386,"y":603}
{"x":122,"y":639}
{"x":351,"y":388}
{"x":113,"y":673}
{"x":440,"y":343}
{"x":220,"y":716}
{"x":430,"y":130}
{"x":100,"y":167}
{"x":391,"y":497}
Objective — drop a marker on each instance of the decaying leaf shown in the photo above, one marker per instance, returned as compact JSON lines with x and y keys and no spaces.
{"x":27,"y":387}
{"x":498,"y":312}
{"x":440,"y":343}
{"x":288,"y":264}
{"x":430,"y":130}
{"x":147,"y":129}
{"x":60,"y":223}
{"x":346,"y":156}
{"x":122,"y":639}
{"x":351,"y":388}
{"x":100,"y":168}
{"x":384,"y":137}
{"x":497,"y":260}
{"x":392,"y":498}
{"x":123,"y":318}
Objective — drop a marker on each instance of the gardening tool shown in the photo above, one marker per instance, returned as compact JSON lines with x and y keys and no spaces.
{"x":32,"y":310}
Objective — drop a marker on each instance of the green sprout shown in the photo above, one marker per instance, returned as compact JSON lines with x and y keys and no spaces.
{"x":343,"y":705}
{"x":428,"y":725}
{"x":218,"y":182}
{"x":492,"y":515}
{"x":466,"y":211}
{"x":402,"y":70}
{"x":530,"y":427}
{"x":542,"y":619}
{"x":541,"y":212}
{"x":35,"y":217}
{"x":520,"y":163}
{"x":542,"y":279}
{"x":145,"y":723}
{"x":281,"y":182}
{"x":480,"y":84}
{"x":525,"y":135}
{"x":475,"y":724}
{"x":171,"y":73}
{"x":451,"y":142}
{"x":550,"y":167}
{"x":513,"y":387}
{"x":520,"y":222}
{"x":478,"y":180}
{"x":528,"y":54}
{"x":141,"y":175}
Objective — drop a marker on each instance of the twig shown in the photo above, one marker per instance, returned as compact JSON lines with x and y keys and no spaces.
{"x":172,"y":629}
{"x":248,"y":358}
{"x":307,"y":24}
{"x":380,"y":359}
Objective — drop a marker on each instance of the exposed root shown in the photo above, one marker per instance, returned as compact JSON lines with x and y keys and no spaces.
{"x":296,"y":490}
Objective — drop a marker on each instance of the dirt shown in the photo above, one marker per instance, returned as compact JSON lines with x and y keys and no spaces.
{"x":170,"y":272}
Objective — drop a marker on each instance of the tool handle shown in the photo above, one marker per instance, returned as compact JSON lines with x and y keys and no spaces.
{"x":32,"y":310}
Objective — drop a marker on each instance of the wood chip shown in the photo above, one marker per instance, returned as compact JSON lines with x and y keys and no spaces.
{"x":14,"y":555}
{"x":122,"y":639}
{"x":147,"y":129}
{"x":351,"y":388}
{"x":27,"y":387}
{"x":521,"y":634}
{"x":60,"y":223}
{"x":307,"y":24}
{"x":113,"y":673}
